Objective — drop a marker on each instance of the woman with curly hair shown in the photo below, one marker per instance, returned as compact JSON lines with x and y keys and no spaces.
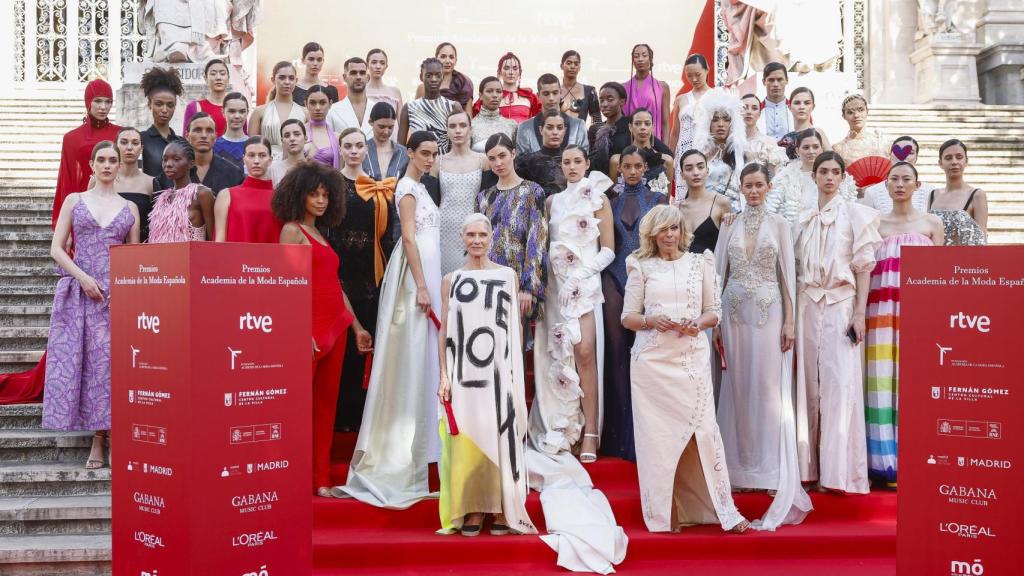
{"x":309,"y":199}
{"x":162,"y":88}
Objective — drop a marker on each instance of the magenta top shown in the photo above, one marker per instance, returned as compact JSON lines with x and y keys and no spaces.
{"x":646,"y":93}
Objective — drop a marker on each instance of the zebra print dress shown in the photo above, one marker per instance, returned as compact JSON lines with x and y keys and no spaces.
{"x":432,"y":116}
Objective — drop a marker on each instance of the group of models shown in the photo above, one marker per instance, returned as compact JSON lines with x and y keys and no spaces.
{"x":663,"y":290}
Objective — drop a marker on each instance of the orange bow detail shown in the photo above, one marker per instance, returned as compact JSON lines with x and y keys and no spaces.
{"x":381,"y":192}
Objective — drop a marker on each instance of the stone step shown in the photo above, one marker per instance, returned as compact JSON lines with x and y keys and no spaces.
{"x":53,"y":479}
{"x":27,"y":209}
{"x":1006,"y":237}
{"x":13,"y":316}
{"x":24,"y":239}
{"x":17,"y":361}
{"x":23,"y":337}
{"x":56,"y":555}
{"x":79,"y":515}
{"x":37,"y":445}
{"x":26,"y":295}
{"x":20,"y":416}
{"x":24,"y":224}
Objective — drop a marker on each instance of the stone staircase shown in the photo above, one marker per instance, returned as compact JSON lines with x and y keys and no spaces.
{"x":995,"y":138}
{"x":54,"y":514}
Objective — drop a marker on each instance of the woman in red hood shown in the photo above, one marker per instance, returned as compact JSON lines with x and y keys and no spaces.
{"x":74,"y":172}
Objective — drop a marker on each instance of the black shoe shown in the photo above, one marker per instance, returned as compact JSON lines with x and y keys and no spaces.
{"x":499,"y":529}
{"x":471,"y":530}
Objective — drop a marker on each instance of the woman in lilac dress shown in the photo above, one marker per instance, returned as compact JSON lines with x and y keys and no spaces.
{"x":77,"y":389}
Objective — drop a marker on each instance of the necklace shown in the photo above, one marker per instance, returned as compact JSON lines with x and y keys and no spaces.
{"x":752,"y":217}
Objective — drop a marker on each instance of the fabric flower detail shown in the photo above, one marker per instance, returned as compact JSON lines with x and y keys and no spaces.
{"x":575,"y":301}
{"x":553,"y":442}
{"x":565,"y":383}
{"x":564,"y":258}
{"x":580,"y":230}
{"x":562,"y":338}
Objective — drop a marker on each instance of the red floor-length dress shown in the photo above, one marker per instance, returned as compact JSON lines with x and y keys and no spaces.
{"x":73,"y":176}
{"x":331,"y":320}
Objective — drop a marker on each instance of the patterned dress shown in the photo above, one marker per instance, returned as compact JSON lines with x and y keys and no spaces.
{"x":883,"y":356}
{"x":959,"y":227}
{"x":432,"y":116}
{"x":458,"y":200}
{"x":520,"y":232}
{"x":77,"y":395}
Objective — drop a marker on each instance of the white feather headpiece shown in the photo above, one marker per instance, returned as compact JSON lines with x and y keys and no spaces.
{"x":720,"y":100}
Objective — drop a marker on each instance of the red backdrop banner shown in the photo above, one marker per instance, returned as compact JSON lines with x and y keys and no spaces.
{"x":961,"y":452}
{"x":210,"y":352}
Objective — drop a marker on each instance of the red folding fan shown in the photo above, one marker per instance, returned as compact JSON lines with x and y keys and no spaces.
{"x":869,"y":170}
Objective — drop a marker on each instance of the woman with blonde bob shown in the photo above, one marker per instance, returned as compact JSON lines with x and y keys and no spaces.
{"x":671,"y":298}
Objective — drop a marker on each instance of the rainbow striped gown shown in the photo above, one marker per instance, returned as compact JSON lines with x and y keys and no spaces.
{"x":883,"y":357}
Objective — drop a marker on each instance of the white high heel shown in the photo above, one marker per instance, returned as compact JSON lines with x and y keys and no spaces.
{"x":589,"y":457}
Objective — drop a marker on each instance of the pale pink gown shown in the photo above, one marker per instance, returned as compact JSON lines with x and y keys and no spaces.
{"x":832,"y":246}
{"x":679,"y":453}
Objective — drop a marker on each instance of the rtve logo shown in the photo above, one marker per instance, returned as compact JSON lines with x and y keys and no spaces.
{"x":147,"y":322}
{"x":980,"y":323}
{"x":250,"y":321}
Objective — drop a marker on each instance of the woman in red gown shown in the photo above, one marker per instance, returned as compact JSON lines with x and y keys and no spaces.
{"x":242,"y":213}
{"x":73,"y":176}
{"x":309,"y":198}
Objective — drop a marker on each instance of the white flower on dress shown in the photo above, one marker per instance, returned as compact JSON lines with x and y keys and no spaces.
{"x":659,"y":184}
{"x":565,"y":383}
{"x":562,"y":338}
{"x":580,"y":229}
{"x":564,"y":258}
{"x":575,"y":300}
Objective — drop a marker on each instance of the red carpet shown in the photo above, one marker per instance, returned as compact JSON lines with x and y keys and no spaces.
{"x":843,"y":536}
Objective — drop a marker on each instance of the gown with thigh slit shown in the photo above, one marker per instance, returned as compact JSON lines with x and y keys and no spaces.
{"x":679,"y":453}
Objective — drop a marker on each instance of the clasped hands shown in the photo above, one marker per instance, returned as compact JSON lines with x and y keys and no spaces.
{"x":663,"y":323}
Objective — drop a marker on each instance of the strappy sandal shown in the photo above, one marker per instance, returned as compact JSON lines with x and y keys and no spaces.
{"x":97,"y":463}
{"x":740,"y":528}
{"x":589,"y":457}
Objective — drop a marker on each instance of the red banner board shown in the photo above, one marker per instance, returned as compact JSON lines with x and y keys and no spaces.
{"x":210,"y":356}
{"x":961,"y":411}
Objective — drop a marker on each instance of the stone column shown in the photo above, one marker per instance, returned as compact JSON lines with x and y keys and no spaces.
{"x":946,"y":72}
{"x":1001,"y":62}
{"x":890,"y":40}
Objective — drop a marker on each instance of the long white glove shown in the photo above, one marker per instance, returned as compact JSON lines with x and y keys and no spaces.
{"x":599,"y":262}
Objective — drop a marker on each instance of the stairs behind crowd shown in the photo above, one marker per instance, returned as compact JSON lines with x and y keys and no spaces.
{"x":55,"y":516}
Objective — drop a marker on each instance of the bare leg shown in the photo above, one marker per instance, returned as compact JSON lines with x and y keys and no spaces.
{"x":586,"y":366}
